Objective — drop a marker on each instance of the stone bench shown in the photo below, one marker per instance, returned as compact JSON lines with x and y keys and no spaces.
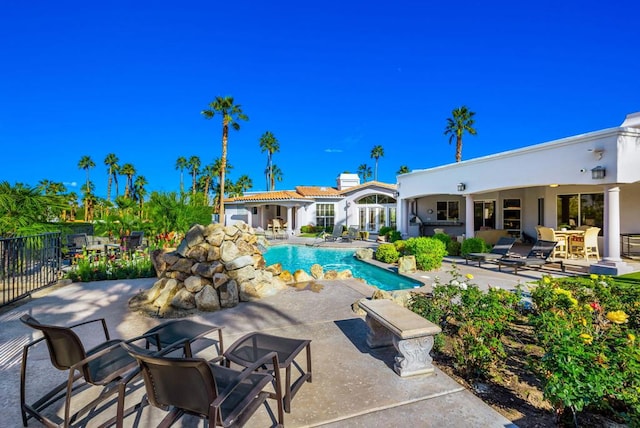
{"x":411,"y":335}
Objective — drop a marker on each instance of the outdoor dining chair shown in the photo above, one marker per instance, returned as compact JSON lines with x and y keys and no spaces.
{"x":103,"y":365}
{"x":195,"y":386}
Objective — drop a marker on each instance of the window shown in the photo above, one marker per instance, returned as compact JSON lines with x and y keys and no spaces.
{"x":376,"y":199}
{"x":254,"y":210}
{"x":586,"y":209}
{"x":448,"y":210}
{"x":325,"y":215}
{"x":278,"y":212}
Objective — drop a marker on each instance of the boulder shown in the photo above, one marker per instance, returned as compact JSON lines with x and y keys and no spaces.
{"x":229,"y":251}
{"x":364,"y":254}
{"x":275,"y":268}
{"x":184,"y":299}
{"x":301,"y":276}
{"x":229,"y":295}
{"x":207,"y":299}
{"x":220,"y":279}
{"x":331,"y":274}
{"x":239,"y":262}
{"x":195,"y":283}
{"x":345,"y":274}
{"x":243,"y":274}
{"x":286,"y":277}
{"x":317,"y":271}
{"x":407,"y":264}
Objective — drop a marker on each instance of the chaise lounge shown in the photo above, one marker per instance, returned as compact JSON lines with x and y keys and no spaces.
{"x":537,"y":257}
{"x":499,"y":251}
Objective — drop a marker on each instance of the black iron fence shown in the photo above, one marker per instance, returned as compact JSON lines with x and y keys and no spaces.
{"x":27,"y":264}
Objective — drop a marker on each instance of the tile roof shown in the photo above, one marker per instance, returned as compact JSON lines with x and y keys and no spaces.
{"x":369,"y":184}
{"x":311,"y":191}
{"x":279,"y":195}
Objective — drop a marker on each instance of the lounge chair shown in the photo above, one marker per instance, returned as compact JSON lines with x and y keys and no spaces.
{"x":104,"y":365}
{"x":537,"y":257}
{"x":337,"y":234}
{"x":352,"y":234}
{"x":500,"y":250}
{"x":195,"y":386}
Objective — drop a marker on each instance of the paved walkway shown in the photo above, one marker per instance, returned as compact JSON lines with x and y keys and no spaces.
{"x":353,"y":386}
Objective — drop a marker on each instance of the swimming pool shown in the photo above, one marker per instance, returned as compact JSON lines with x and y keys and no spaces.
{"x":294,"y":257}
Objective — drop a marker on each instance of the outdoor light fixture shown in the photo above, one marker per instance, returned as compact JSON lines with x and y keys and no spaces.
{"x":598,"y":173}
{"x":553,"y":185}
{"x":396,"y":194}
{"x":461,"y":187}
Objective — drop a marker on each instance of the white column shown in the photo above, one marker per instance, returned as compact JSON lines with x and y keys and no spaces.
{"x":249,"y":209}
{"x":289,"y":221}
{"x":468,"y":214}
{"x":612,"y":224}
{"x":400,"y":220}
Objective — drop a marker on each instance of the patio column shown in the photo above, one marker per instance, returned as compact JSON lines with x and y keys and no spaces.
{"x":612,"y":224}
{"x":400,"y":220}
{"x":468,"y":216}
{"x":289,"y":220}
{"x":248,"y":209}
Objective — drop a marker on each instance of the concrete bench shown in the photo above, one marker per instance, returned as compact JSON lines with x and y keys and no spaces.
{"x":411,"y":335}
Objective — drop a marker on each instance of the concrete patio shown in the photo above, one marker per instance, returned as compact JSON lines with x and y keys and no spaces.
{"x":352,"y":385}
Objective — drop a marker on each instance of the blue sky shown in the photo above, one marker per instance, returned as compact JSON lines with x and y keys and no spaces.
{"x":330,"y":79}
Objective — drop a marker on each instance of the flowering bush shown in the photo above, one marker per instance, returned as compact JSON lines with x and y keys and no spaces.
{"x":472,"y":321}
{"x":91,"y":267}
{"x":587,"y":328}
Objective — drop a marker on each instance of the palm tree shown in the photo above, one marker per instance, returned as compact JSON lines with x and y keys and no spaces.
{"x":194,"y":167}
{"x":231,"y":113}
{"x":364,"y":171}
{"x":276,"y":175}
{"x":238,"y":188}
{"x":129,"y":171}
{"x":139,"y":191}
{"x":207,"y":177}
{"x":88,"y":200}
{"x":461,"y":121}
{"x":181,"y":164}
{"x":376,"y":153}
{"x":269,"y":143}
{"x":25,"y":210}
{"x":86,"y":163}
{"x":403,"y":170}
{"x":111,"y":161}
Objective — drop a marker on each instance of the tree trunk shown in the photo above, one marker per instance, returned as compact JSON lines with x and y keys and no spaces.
{"x":223,"y":167}
{"x":458,"y":148}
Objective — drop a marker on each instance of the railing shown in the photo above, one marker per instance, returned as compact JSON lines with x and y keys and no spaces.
{"x":27,"y":264}
{"x":630,"y":245}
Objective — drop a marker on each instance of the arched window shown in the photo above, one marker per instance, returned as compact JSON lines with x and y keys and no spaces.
{"x":376,"y":199}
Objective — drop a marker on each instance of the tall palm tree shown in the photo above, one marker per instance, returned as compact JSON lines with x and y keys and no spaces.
{"x":269,"y":143}
{"x":139,"y":191}
{"x":238,"y":188}
{"x":376,"y":153}
{"x":86,"y":163}
{"x":276,"y":175}
{"x":364,"y":171}
{"x":461,"y":121}
{"x":403,"y":170}
{"x":194,"y":168}
{"x":88,"y":200}
{"x":111,"y":161}
{"x":128,"y":170}
{"x":208,"y":175}
{"x":230,"y":113}
{"x":181,"y":164}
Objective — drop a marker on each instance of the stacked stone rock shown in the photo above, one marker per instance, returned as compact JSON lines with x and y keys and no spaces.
{"x":217,"y":267}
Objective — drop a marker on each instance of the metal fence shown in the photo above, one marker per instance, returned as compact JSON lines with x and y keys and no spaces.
{"x":27,"y":264}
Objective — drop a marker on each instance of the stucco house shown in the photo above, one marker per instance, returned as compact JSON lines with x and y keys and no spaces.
{"x":367,"y":206}
{"x":591,"y":179}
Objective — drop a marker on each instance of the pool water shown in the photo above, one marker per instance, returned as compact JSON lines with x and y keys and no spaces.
{"x":294,"y":257}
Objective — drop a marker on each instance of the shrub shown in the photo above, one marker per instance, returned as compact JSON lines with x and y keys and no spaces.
{"x":473,"y":245}
{"x":444,"y":238}
{"x":429,"y":252}
{"x":453,"y":249}
{"x":400,"y":246}
{"x":394,"y":235}
{"x":473,"y":321}
{"x":97,"y":268}
{"x":387,"y":253}
{"x":384,"y":230}
{"x":588,"y":328}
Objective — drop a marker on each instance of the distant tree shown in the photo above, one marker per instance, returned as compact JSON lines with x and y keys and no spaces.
{"x":86,"y":163}
{"x":269,"y":143}
{"x":461,"y":121}
{"x":276,"y":175}
{"x":181,"y":165}
{"x":364,"y":171}
{"x":128,"y":170}
{"x":25,"y":210}
{"x":230,"y":113}
{"x":139,"y":191}
{"x":238,"y":188}
{"x":111,"y":161}
{"x":376,"y":153}
{"x":194,"y":167}
{"x":403,"y":170}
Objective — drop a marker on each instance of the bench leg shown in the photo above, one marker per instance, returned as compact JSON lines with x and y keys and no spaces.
{"x":378,"y":335}
{"x":413,"y":356}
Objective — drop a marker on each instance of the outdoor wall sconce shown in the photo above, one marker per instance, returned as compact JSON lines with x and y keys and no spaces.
{"x":461,"y":187}
{"x":598,"y":173}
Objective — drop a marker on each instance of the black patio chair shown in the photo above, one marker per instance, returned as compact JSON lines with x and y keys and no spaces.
{"x":103,"y":365}
{"x":195,"y":386}
{"x":76,"y":244}
{"x":538,"y":256}
{"x":500,"y":250}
